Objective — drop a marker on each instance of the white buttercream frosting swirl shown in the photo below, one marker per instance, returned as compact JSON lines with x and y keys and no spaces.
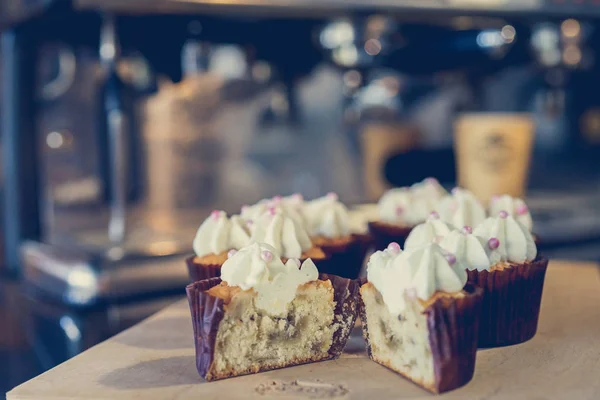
{"x":431,"y":231}
{"x":514,"y":206}
{"x":471,"y":251}
{"x":259,"y":267}
{"x":418,"y":273}
{"x":279,"y":230}
{"x":218,"y":233}
{"x":292,"y":205}
{"x":327,"y":216}
{"x":511,"y":239}
{"x":410,"y":205}
{"x":461,"y":209}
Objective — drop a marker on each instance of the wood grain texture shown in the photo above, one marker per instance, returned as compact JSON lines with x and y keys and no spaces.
{"x":155,"y":359}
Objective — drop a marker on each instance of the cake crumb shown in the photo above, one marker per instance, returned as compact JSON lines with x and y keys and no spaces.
{"x":308,"y":389}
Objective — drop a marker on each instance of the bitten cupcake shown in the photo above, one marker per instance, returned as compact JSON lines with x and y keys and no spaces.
{"x":265,"y":314}
{"x":461,"y":208}
{"x":328,"y":222}
{"x":401,"y":209}
{"x":216,"y":236}
{"x":501,"y":258}
{"x":418,"y":317}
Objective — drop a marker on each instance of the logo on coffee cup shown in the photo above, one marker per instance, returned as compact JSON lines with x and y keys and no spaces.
{"x":494,"y":152}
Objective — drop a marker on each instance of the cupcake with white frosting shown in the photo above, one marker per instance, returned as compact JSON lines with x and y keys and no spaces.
{"x":219,"y":235}
{"x":418,"y":317}
{"x":501,"y":257}
{"x":264,"y":314}
{"x":216,"y":236}
{"x":401,"y":209}
{"x":331,"y":227}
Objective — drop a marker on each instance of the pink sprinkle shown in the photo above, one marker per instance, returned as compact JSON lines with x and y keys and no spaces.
{"x":231,"y":253}
{"x":522,"y":209}
{"x":215,"y":214}
{"x":277,"y":199}
{"x":332,"y":196}
{"x":245,"y":207}
{"x":455,"y":190}
{"x":399,"y":210}
{"x":249,"y":222}
{"x":493,"y":243}
{"x":434,"y":215}
{"x":467,"y":230}
{"x":503,"y":214}
{"x":297,"y":196}
{"x":394,"y":247}
{"x":495,"y":198}
{"x":431,"y":180}
{"x":267,"y":256}
{"x":451,"y":259}
{"x":272,"y":211}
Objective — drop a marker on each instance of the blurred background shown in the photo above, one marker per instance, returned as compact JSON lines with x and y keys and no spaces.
{"x":124,"y":123}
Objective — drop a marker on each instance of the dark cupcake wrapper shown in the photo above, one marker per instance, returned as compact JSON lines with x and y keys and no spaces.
{"x":346,"y":260}
{"x":207,"y":312}
{"x":383,"y":234}
{"x":511,"y":302}
{"x":453,"y":327}
{"x":199,"y":271}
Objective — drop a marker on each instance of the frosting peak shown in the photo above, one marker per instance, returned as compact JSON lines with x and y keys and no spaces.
{"x":410,"y":205}
{"x":509,"y":238}
{"x":259,"y":267}
{"x":513,"y":206}
{"x":431,"y":231}
{"x":279,"y":230}
{"x":327,"y":216}
{"x":471,"y":252}
{"x":218,"y":233}
{"x":461,"y":208}
{"x":291,"y":205}
{"x":419,"y":272}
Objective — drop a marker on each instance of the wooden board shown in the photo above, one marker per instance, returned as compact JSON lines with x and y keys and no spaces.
{"x":155,"y":360}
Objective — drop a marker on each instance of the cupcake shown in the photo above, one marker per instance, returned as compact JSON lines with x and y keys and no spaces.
{"x":328,"y":222}
{"x":217,"y":235}
{"x":434,"y":230}
{"x":401,"y":209}
{"x":461,"y":208}
{"x":501,"y":258}
{"x":263,"y":314}
{"x":283,"y":232}
{"x":418,"y":317}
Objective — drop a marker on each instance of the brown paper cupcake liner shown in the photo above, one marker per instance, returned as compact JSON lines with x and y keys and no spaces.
{"x":207,"y":312}
{"x":346,"y":260}
{"x":383,"y":234}
{"x":453,"y":327}
{"x":200,"y":271}
{"x":511,"y":302}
